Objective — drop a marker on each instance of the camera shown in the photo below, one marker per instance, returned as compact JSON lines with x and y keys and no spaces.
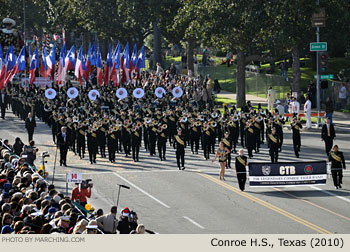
{"x":132,"y":216}
{"x":45,"y":154}
{"x":85,"y":184}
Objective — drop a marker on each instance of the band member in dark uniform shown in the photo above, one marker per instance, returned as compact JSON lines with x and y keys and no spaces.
{"x":145,"y":136}
{"x":206,"y":141}
{"x":135,"y":143}
{"x":92,"y":145}
{"x":227,"y":143}
{"x":53,"y":119}
{"x":30,"y":125}
{"x":3,"y":103}
{"x":278,"y":124}
{"x":63,"y":145}
{"x":195,"y":132}
{"x":152,"y":137}
{"x":250,"y":139}
{"x":241,"y":163}
{"x":101,"y":140}
{"x":180,"y":145}
{"x":296,"y":127}
{"x":111,"y":145}
{"x":222,"y":153}
{"x":337,"y":160}
{"x":257,"y":130}
{"x":80,"y":135}
{"x":242,"y":126}
{"x":161,"y":143}
{"x":233,"y":128}
{"x":328,"y":135}
{"x":274,"y":144}
{"x":126,"y":139}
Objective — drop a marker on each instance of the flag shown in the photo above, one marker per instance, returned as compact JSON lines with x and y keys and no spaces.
{"x":10,"y":63}
{"x":51,"y":62}
{"x":116,"y":65}
{"x":108,"y":66}
{"x":70,"y":59}
{"x":44,"y":65}
{"x":80,"y":67}
{"x":2,"y":68}
{"x":133,"y":62}
{"x":125,"y":63}
{"x":61,"y":74}
{"x":20,"y":65}
{"x":89,"y":63}
{"x":55,"y":37}
{"x":34,"y":64}
{"x":141,"y":61}
{"x":99,"y":74}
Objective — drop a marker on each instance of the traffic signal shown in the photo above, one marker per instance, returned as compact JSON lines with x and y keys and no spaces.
{"x":323,"y":62}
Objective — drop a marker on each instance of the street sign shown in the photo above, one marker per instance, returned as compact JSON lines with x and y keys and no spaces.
{"x":318,"y":46}
{"x":325,"y":76}
{"x":74,"y":177}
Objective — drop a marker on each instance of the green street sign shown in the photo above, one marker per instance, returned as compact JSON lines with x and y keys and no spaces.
{"x":325,"y":76}
{"x":318,"y":46}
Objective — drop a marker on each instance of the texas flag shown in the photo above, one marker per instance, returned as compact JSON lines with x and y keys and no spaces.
{"x":44,"y":65}
{"x":133,"y":62}
{"x":34,"y":64}
{"x":10,"y":63}
{"x":19,"y":66}
{"x":116,"y":65}
{"x":90,"y":61}
{"x":125,"y":63}
{"x":51,"y":62}
{"x":80,"y":67}
{"x":141,"y":61}
{"x":61,"y":74}
{"x":2,"y":68}
{"x":70,"y":59}
{"x":108,"y":66}
{"x":99,"y":68}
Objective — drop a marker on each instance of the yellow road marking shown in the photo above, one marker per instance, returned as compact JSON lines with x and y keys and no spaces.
{"x":268,"y":205}
{"x":313,"y":204}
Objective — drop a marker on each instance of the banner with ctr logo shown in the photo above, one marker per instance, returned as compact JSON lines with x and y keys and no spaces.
{"x":287,"y":174}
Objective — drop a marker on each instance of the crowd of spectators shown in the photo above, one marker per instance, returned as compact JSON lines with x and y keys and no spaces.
{"x":29,"y":205}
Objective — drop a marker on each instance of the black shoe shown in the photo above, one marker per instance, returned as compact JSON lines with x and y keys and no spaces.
{"x":297,"y":155}
{"x":183,"y":168}
{"x":336,"y":187}
{"x":179,"y":168}
{"x":161,"y":159}
{"x":65,"y":165}
{"x":339,"y":186}
{"x":164,"y":158}
{"x":94,"y":161}
{"x":91,"y":162}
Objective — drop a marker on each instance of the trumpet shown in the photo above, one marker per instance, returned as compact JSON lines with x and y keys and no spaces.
{"x":259,"y":119}
{"x":184,"y":119}
{"x":138,"y":124}
{"x":164,"y":126}
{"x":198,"y":124}
{"x":201,"y":118}
{"x":214,"y":115}
{"x":230,"y":123}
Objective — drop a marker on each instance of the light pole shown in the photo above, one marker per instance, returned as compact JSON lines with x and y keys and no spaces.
{"x":318,"y":74}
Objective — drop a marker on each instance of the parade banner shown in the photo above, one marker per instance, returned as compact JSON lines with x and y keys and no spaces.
{"x":287,"y":174}
{"x":39,"y":82}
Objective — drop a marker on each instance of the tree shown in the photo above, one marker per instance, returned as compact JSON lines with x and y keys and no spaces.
{"x":242,"y":26}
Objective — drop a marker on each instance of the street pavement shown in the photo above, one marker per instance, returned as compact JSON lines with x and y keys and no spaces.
{"x":195,"y":200}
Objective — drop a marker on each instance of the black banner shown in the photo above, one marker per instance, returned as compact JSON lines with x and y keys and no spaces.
{"x":287,"y":174}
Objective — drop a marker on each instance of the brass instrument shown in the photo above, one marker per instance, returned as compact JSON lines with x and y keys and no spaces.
{"x":214,"y":115}
{"x":183,"y":119}
{"x":164,"y":126}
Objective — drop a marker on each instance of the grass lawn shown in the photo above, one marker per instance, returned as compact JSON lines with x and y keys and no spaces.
{"x":227,"y":79}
